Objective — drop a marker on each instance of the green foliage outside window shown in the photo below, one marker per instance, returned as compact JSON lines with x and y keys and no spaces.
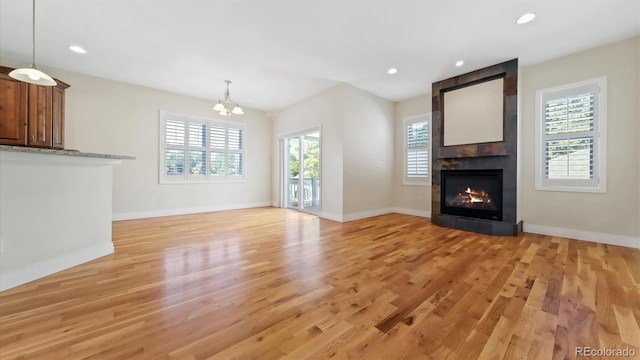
{"x":311,"y":157}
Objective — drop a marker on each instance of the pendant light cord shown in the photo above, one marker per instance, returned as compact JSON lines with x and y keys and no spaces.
{"x":33,"y":31}
{"x":32,"y":74}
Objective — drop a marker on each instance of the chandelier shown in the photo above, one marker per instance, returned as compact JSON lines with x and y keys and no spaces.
{"x":224,"y":105}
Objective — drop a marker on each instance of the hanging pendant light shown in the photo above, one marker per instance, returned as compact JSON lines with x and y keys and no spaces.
{"x":32,"y":74}
{"x":223,"y":106}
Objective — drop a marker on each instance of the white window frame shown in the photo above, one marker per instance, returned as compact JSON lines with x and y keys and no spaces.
{"x":598,"y":183}
{"x":187,"y":178}
{"x":416,"y":181}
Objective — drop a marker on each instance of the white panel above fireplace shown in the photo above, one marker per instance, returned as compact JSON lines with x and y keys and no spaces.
{"x":474,"y":114}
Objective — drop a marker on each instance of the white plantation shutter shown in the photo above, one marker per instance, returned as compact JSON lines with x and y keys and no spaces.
{"x":174,"y":160}
{"x":571,"y":142}
{"x":217,"y":164}
{"x":200,"y":150}
{"x":235,"y":139}
{"x":217,"y":150}
{"x":174,"y":132}
{"x":197,"y":150}
{"x":235,"y":152}
{"x":569,"y":158}
{"x":174,"y":148}
{"x":417,"y":149}
{"x":217,"y":134}
{"x":569,"y":125}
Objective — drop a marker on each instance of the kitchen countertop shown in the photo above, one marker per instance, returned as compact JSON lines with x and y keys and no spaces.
{"x":33,"y":150}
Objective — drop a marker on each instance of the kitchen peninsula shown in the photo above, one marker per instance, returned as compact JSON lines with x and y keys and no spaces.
{"x":55,"y":210}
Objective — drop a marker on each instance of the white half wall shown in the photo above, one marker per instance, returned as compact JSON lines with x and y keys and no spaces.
{"x":55,"y":213}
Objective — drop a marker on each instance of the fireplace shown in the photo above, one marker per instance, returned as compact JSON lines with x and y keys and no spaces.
{"x":464,"y":196}
{"x":472,"y":193}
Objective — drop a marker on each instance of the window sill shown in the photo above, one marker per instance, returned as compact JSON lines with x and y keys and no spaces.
{"x":596,"y":190}
{"x":168,"y":182}
{"x":416,"y":183}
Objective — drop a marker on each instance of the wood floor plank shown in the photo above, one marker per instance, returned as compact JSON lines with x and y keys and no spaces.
{"x":499,"y":340}
{"x":518,"y":348}
{"x":629,"y":331}
{"x":271,"y":283}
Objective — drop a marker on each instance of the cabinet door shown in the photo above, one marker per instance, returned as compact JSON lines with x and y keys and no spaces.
{"x":58,"y":118}
{"x":40,"y":119}
{"x":13,"y":111}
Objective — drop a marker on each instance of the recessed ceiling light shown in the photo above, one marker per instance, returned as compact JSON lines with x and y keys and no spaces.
{"x":392,"y":71}
{"x":77,"y":49}
{"x":459,"y":63}
{"x":525,"y":18}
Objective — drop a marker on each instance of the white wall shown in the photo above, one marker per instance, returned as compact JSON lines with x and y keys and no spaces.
{"x":611,"y":217}
{"x":112,"y":117}
{"x":355,"y":183}
{"x":324,"y":110}
{"x":409,"y":199}
{"x":638,"y":116}
{"x":368,"y":154}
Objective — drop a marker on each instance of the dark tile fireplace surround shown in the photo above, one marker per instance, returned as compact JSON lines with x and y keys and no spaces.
{"x":474,"y":185}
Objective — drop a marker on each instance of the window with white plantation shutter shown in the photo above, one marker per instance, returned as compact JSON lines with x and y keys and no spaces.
{"x":570,"y":137}
{"x":173,"y":154}
{"x":197,"y":151}
{"x":417,"y":140}
{"x":217,"y":150}
{"x":194,"y":149}
{"x":235,"y":152}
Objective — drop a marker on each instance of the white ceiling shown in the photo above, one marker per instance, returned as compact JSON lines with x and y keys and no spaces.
{"x":277,"y":52}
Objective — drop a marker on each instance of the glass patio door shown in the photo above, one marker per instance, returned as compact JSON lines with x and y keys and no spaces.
{"x":302,"y":171}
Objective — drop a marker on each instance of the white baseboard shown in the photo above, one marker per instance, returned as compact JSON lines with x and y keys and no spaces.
{"x":365,"y":214}
{"x":331,"y":216}
{"x":41,"y":269}
{"x":354,"y":216}
{"x":611,"y":239}
{"x":170,"y":212}
{"x":414,"y":212}
{"x":372,"y":213}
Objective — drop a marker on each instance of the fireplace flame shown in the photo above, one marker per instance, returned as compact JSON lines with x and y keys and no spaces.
{"x":477,"y":196}
{"x":471,"y":196}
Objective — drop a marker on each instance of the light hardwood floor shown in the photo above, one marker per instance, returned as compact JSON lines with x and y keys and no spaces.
{"x":271,"y":283}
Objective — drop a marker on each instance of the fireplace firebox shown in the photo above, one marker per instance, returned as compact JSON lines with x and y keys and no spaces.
{"x":472,"y":193}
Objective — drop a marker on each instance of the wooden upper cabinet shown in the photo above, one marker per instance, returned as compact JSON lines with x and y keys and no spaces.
{"x":30,"y":114}
{"x":13,"y":111}
{"x":57,"y":127}
{"x":40,"y":124}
